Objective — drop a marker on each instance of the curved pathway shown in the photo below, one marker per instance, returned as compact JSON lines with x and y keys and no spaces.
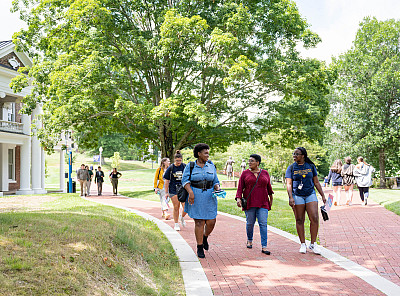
{"x":232,"y":269}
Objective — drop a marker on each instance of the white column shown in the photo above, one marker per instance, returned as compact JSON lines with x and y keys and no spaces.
{"x":25,"y":172}
{"x":36,"y":157}
{"x":62,"y":171}
{"x":3,"y":169}
{"x":43,"y":172}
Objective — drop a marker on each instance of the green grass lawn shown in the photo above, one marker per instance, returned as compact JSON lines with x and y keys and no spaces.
{"x":74,"y":247}
{"x":53,"y":170}
{"x":389,"y":198}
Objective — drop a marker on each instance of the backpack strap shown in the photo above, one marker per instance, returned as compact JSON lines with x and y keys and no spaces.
{"x":292,"y":169}
{"x":192,"y":164}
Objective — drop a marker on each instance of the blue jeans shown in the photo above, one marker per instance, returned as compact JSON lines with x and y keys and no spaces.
{"x":262,"y":216}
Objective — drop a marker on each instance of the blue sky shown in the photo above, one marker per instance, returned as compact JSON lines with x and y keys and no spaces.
{"x":336,"y":21}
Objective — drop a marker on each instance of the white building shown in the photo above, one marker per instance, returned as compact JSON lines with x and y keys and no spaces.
{"x":22,"y":160}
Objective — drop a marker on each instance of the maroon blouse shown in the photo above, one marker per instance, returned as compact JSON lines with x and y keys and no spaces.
{"x":259,"y":196}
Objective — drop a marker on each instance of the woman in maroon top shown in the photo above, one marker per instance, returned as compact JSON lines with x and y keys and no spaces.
{"x":255,"y":186}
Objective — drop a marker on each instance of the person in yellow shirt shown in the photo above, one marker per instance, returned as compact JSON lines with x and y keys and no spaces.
{"x":159,"y":187}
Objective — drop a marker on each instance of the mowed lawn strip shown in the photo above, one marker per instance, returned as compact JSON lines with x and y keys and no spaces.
{"x":75,"y":247}
{"x":389,"y":198}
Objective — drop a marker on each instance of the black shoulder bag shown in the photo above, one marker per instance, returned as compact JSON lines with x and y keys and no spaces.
{"x":181,"y":192}
{"x":245,"y":200}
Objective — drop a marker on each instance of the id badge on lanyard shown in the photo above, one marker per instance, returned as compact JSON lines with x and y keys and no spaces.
{"x":301,"y":182}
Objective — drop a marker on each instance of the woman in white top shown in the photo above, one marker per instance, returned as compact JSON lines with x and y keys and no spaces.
{"x":363,"y":172}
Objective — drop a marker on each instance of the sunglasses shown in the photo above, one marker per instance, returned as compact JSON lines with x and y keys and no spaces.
{"x":296,"y":154}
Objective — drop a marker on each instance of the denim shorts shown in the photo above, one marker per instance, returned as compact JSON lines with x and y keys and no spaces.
{"x":301,"y":200}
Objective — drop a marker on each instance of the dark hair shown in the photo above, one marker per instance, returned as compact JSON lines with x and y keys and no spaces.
{"x":198,"y":148}
{"x":178,"y":154}
{"x":347,"y":160}
{"x":256,"y":157}
{"x":304,"y":152}
{"x":99,"y":167}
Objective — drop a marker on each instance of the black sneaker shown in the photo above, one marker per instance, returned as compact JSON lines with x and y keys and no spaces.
{"x":366,"y":199}
{"x":266,"y":252}
{"x":200,"y":251}
{"x":205,"y":243}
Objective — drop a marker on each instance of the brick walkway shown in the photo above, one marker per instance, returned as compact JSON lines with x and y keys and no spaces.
{"x":232,"y":269}
{"x":367,"y":235}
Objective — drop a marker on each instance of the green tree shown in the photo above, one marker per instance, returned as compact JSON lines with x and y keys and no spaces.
{"x":116,"y":142}
{"x":366,"y":96}
{"x":170,"y":73}
{"x":116,"y":161}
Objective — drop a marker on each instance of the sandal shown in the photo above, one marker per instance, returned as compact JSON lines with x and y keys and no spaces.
{"x":249,"y":245}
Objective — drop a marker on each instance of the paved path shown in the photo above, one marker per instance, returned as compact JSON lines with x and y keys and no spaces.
{"x":368,"y":235}
{"x":232,"y":269}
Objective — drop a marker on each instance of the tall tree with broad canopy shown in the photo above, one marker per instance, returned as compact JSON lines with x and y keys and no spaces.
{"x":171,"y":73}
{"x":367,"y":95}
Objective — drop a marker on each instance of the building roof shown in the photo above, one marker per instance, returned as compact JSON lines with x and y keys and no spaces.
{"x":5,"y":43}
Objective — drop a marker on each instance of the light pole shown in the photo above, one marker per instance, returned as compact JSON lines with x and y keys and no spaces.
{"x":70,"y":169}
{"x":101,"y":150}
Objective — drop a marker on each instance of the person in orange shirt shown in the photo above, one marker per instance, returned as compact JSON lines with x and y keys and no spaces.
{"x":159,"y":187}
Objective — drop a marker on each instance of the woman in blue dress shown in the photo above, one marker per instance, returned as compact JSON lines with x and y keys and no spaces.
{"x":201,"y":205}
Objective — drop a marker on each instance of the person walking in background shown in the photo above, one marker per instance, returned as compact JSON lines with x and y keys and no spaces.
{"x":99,"y":179}
{"x":363,"y":173}
{"x":326,"y":181}
{"x":173,"y":178}
{"x":301,"y":178}
{"x":348,"y":180}
{"x":159,"y":187}
{"x":82,"y":175}
{"x":337,"y":180}
{"x":89,"y":180}
{"x":255,"y":187}
{"x":201,"y":205}
{"x":114,"y":176}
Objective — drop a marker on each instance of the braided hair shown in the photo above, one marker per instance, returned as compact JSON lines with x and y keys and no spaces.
{"x":304,"y":152}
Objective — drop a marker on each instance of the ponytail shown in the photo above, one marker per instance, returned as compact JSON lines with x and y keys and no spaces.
{"x":178,"y":154}
{"x":304,"y":152}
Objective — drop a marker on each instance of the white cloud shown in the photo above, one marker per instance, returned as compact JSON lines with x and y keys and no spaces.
{"x":9,"y":22}
{"x":337,"y":21}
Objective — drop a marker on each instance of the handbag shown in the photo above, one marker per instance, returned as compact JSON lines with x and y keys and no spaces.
{"x":181,"y":192}
{"x":244,"y":200}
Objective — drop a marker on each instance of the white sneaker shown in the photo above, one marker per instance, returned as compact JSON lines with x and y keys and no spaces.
{"x":315,"y":248}
{"x":303,"y":248}
{"x":176,"y":227}
{"x":182,"y":219}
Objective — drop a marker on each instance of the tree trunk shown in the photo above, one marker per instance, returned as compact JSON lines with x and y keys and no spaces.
{"x":382,"y":181}
{"x":167,"y":141}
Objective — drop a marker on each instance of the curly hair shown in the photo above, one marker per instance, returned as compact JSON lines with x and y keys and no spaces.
{"x":198,"y":148}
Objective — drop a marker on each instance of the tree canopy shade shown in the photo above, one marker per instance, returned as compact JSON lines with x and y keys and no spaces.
{"x":367,"y":94}
{"x":171,"y":73}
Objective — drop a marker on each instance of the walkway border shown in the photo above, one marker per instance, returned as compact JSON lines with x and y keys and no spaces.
{"x":372,"y":278}
{"x":194,"y":277}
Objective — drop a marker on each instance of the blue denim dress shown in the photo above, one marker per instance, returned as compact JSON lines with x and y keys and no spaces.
{"x":205,"y":205}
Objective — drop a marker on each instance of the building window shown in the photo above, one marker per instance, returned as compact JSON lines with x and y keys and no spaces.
{"x":11,"y":164}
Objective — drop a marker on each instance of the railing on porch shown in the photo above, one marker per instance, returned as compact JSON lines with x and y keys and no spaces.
{"x":10,"y":126}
